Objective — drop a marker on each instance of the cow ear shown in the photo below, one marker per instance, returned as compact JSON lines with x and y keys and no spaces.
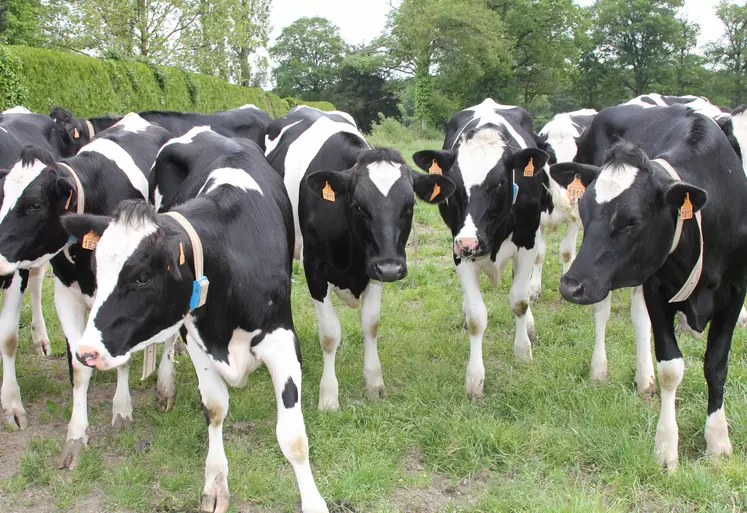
{"x":529,"y":160}
{"x":64,"y":193}
{"x":565,"y":172}
{"x":432,"y":188}
{"x":329,"y":185}
{"x":78,"y":225}
{"x":434,"y":161}
{"x":676,"y":193}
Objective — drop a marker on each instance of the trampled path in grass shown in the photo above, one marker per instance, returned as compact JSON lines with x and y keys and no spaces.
{"x":543,"y":438}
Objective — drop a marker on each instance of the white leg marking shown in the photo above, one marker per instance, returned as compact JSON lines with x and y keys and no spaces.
{"x":535,"y":285}
{"x":122,"y":402}
{"x":644,"y":367}
{"x":329,"y":337}
{"x":518,"y":298}
{"x":476,"y":315}
{"x":599,"y":356}
{"x":667,"y":434}
{"x":14,"y":415}
{"x":742,"y":322}
{"x":568,"y":244}
{"x":278,"y":352}
{"x":166,"y":385}
{"x":370,"y":315}
{"x":717,"y":435}
{"x":684,"y":327}
{"x":39,"y":335}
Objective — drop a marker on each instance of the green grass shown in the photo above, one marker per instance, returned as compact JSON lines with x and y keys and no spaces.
{"x":543,"y":439}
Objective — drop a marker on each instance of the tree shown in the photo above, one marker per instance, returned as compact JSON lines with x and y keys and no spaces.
{"x":309,"y":53}
{"x":729,"y":52}
{"x":687,"y":65}
{"x":20,"y":22}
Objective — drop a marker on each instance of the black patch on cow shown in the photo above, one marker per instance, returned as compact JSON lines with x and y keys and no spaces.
{"x":290,"y":394}
{"x":6,"y":281}
{"x":69,"y":361}
{"x":24,"y":273}
{"x":206,"y":413}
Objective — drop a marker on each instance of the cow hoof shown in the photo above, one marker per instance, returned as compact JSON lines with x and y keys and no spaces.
{"x":15,"y":418}
{"x":375,"y":393}
{"x":42,"y":347}
{"x":598,"y":377}
{"x":532,"y":334}
{"x":647,"y":391}
{"x":317,"y":506}
{"x":474,"y":389}
{"x":217,"y":500}
{"x":121,"y":423}
{"x":164,"y":402}
{"x":329,"y":404}
{"x":534,"y":293}
{"x":71,"y":452}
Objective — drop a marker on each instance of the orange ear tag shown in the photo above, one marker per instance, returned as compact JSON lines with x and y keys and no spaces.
{"x":75,"y":133}
{"x":181,"y":254}
{"x":575,"y":190}
{"x":328,"y":193}
{"x":169,"y":267}
{"x":90,"y":241}
{"x":435,"y":169}
{"x":529,"y":170}
{"x":686,"y":210}
{"x":436,"y":192}
{"x":69,"y":199}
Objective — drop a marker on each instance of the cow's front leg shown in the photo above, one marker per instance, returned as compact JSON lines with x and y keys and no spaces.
{"x":599,"y":355}
{"x":14,"y":415}
{"x":644,"y":367}
{"x":166,"y":385}
{"x":568,"y":244}
{"x":329,"y":338}
{"x":72,"y":314}
{"x":39,"y":336}
{"x":477,"y":320}
{"x":215,"y":495}
{"x":370,"y":315}
{"x":122,"y":402}
{"x":518,"y":298}
{"x":278,"y":351}
{"x":535,"y":284}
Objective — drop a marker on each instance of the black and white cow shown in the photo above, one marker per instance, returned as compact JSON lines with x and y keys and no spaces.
{"x":146,"y":268}
{"x":696,"y":103}
{"x":248,"y":121}
{"x":353,"y":208}
{"x":38,"y":191}
{"x":734,"y":125}
{"x":494,"y":215}
{"x":661,"y":224}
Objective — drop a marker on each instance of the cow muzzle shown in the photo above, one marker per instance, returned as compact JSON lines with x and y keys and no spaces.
{"x":580,"y":292}
{"x":90,"y":357}
{"x":387,"y":270}
{"x":466,"y":247}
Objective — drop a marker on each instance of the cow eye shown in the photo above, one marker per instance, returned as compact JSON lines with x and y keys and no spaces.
{"x":142,"y":279}
{"x":358,"y":210}
{"x":32,"y":208}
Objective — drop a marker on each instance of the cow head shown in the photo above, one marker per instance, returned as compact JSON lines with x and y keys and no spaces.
{"x":137,"y":264}
{"x":36,"y":192}
{"x":74,"y":132}
{"x":629,"y":211}
{"x":484,"y":168}
{"x":377,"y":197}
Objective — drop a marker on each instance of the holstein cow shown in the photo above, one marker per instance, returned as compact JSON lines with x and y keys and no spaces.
{"x":248,"y":121}
{"x":352,"y":208}
{"x":233,"y":231}
{"x":491,"y":155}
{"x":660,"y":224}
{"x":558,"y":138}
{"x":20,"y":127}
{"x":38,"y":191}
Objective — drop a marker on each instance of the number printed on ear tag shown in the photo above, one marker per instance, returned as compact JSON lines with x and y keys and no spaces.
{"x":576,"y":189}
{"x":435,"y":169}
{"x":90,"y":241}
{"x":529,"y":170}
{"x":686,"y":210}
{"x":327,"y":192}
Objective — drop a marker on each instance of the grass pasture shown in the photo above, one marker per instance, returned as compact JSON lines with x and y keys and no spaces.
{"x":543,"y":439}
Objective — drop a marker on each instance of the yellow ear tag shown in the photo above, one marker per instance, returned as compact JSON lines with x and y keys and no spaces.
{"x":181,"y":254}
{"x":69,"y":199}
{"x":686,"y":210}
{"x":328,"y":193}
{"x":169,"y":267}
{"x":75,"y":133}
{"x":435,"y":169}
{"x":529,"y":170}
{"x":575,"y":190}
{"x":90,"y":241}
{"x":436,"y":192}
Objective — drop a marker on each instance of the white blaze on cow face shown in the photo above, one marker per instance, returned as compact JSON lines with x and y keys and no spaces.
{"x":478,"y":156}
{"x":15,"y":183}
{"x":132,"y":122}
{"x":561,"y":134}
{"x":384,"y":175}
{"x":232,"y":176}
{"x":122,"y":159}
{"x":613,"y":181}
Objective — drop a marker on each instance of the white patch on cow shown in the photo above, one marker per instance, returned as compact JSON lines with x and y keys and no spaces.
{"x":3,"y":129}
{"x":132,"y":122}
{"x":249,"y":106}
{"x":17,"y":110}
{"x":186,"y":138}
{"x":561,"y":134}
{"x":478,"y":155}
{"x":271,"y":144}
{"x":346,"y":296}
{"x":703,"y":106}
{"x":613,"y":181}
{"x":486,"y":114}
{"x":122,"y":159}
{"x":468,"y":231}
{"x":337,"y":112}
{"x":667,"y":433}
{"x":241,"y":359}
{"x":157,"y":199}
{"x":384,"y":175}
{"x":16,"y":181}
{"x":739,"y":124}
{"x":232,"y":176}
{"x":717,"y":434}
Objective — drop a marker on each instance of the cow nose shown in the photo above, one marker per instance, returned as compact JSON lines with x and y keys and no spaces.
{"x":389,"y":271}
{"x":571,"y":290}
{"x":466,"y":246}
{"x":89,"y":357}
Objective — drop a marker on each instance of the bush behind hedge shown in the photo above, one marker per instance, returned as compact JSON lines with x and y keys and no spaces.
{"x":40,"y":79}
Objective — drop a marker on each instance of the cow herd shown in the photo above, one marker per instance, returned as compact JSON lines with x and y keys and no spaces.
{"x":162,"y":224}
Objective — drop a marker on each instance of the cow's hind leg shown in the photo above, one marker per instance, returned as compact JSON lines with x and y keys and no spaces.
{"x":329,"y":337}
{"x":279,"y":351}
{"x":166,"y":385}
{"x":14,"y":415}
{"x":214,"y":392}
{"x":476,"y":315}
{"x":39,"y":335}
{"x":370,"y":315}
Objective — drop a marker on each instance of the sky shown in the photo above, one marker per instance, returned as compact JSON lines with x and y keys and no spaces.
{"x":360,"y":21}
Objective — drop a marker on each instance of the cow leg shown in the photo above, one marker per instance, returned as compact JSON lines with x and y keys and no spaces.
{"x":645,"y":382}
{"x":39,"y":335}
{"x":329,"y":337}
{"x":214,"y":392}
{"x":715,"y":369}
{"x":166,"y":385}
{"x":278,"y":351}
{"x":72,"y":314}
{"x":14,"y":415}
{"x":535,"y":284}
{"x":599,"y":355}
{"x":742,"y":322}
{"x":568,"y":244}
{"x":477,"y":320}
{"x":122,"y":402}
{"x":370,"y":314}
{"x":518,"y":298}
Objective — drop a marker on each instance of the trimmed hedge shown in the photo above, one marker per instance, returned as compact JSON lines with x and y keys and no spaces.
{"x":40,"y":79}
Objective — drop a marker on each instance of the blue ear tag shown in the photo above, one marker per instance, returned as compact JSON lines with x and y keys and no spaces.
{"x":516,"y":193}
{"x":199,"y":292}
{"x":69,"y":240}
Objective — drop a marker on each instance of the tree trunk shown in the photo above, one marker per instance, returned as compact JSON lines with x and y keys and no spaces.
{"x":142,"y":12}
{"x":245,"y":71}
{"x":423,"y":88}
